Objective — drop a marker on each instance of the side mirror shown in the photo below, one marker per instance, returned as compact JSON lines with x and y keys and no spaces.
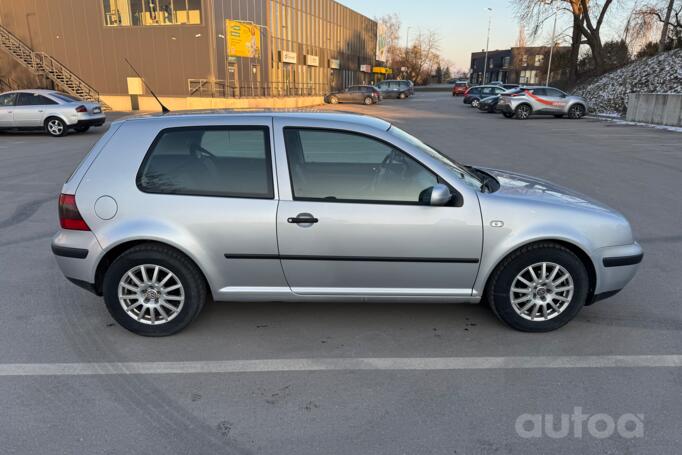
{"x":437,"y":195}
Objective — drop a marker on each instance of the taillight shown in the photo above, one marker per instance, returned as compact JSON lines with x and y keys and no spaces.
{"x":69,"y":216}
{"x":81,"y":109}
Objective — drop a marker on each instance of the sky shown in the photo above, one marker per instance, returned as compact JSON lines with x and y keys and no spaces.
{"x":462,"y":25}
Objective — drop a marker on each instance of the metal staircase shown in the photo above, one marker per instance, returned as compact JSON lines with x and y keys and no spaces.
{"x":41,"y":64}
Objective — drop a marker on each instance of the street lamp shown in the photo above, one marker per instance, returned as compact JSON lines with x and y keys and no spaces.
{"x":487,"y":43}
{"x":551,"y":47}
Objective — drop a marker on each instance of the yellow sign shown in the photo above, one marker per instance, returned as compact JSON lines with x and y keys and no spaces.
{"x":243,"y":39}
{"x":382,"y":70}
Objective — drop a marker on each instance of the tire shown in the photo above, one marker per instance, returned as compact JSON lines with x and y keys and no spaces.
{"x":187,"y":300}
{"x":522,"y":112}
{"x":499,"y":292}
{"x":368,"y":100}
{"x":508,"y":114}
{"x":475,"y":103}
{"x":333,"y":100}
{"x":576,"y":112}
{"x":81,"y":129}
{"x":55,"y":127}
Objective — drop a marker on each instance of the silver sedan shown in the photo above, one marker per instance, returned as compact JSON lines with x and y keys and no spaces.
{"x":49,"y":110}
{"x":166,"y":211}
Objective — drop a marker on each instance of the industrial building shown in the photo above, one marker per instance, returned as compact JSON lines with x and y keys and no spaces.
{"x":190,"y":48}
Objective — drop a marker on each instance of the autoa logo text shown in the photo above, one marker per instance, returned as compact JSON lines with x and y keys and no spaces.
{"x":579,"y":425}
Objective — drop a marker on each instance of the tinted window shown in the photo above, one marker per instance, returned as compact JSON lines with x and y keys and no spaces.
{"x":539,"y":92}
{"x":209,"y":161}
{"x":8,"y":99}
{"x":554,"y":92}
{"x":30,"y":99}
{"x":475,"y":91}
{"x":340,"y":166}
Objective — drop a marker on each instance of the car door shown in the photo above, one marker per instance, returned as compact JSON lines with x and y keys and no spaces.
{"x":557,"y":98}
{"x":346,"y":95}
{"x":30,"y":108}
{"x":349,"y":221}
{"x":7,"y":110}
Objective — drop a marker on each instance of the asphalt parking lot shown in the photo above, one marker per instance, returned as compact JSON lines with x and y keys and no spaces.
{"x":348,"y":395}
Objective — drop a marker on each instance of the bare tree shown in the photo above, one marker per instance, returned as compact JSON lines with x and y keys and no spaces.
{"x":666,"y":22}
{"x":647,"y":19}
{"x":390,"y":27}
{"x":422,"y":56}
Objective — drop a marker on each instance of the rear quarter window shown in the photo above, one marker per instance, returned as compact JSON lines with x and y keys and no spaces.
{"x":209,"y":161}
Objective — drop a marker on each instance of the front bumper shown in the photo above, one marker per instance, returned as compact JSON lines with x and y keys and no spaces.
{"x":615,"y":267}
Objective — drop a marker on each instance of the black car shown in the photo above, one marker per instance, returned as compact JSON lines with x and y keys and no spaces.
{"x":395,"y":89}
{"x":489,"y":104}
{"x":365,"y":94}
{"x":474,"y":95}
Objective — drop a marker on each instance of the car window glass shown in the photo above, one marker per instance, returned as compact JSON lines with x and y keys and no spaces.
{"x":343,"y":166}
{"x":7,"y":99}
{"x":30,"y":99}
{"x":554,"y":92}
{"x":539,"y":92}
{"x":209,"y":161}
{"x":486,"y":90}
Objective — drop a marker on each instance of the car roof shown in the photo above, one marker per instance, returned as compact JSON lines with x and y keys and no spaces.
{"x":341,"y":117}
{"x":35,"y":91}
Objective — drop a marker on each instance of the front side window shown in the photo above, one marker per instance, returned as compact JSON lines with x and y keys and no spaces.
{"x":335,"y":166}
{"x":209,"y":161}
{"x":8,"y":99}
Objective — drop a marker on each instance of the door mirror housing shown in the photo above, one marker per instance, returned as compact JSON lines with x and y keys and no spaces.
{"x":437,"y":195}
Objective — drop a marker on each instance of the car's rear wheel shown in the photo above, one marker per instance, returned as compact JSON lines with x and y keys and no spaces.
{"x":522,"y":112}
{"x":577,"y":111}
{"x":333,"y":100}
{"x":508,"y":114}
{"x":154,"y":290}
{"x":81,"y":129}
{"x":475,"y":103}
{"x":55,"y":127}
{"x":368,"y":100}
{"x":539,"y":288}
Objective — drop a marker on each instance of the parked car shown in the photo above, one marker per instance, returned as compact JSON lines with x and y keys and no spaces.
{"x":52,"y":111}
{"x":505,"y":85}
{"x":394,"y":89}
{"x":459,"y":88}
{"x":167,"y":210}
{"x":475,"y":94}
{"x":365,"y":94}
{"x":489,"y":104}
{"x":526,"y":101}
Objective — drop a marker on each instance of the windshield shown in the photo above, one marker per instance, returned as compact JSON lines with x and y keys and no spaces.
{"x":459,"y":169}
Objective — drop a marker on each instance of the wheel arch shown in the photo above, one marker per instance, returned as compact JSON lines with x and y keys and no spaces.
{"x":574,"y":247}
{"x":117,"y":250}
{"x":524,"y":103}
{"x":57,"y":116}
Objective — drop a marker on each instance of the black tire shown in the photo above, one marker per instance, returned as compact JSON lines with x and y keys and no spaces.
{"x":55,"y":127}
{"x":368,"y":100}
{"x":475,"y":103}
{"x":191,"y":278}
{"x":576,"y":112}
{"x":81,"y":129}
{"x":508,"y":114}
{"x":502,"y":279}
{"x":522,"y":111}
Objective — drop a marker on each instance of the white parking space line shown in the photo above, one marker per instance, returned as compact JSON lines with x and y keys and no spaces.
{"x":335,"y":364}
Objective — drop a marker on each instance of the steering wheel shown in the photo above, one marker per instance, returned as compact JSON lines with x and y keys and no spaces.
{"x":383,"y":171}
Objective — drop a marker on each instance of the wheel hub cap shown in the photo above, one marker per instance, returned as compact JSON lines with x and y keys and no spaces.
{"x":542,"y":291}
{"x":151,"y":294}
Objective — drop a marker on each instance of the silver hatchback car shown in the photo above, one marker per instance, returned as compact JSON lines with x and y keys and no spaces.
{"x":167,"y":211}
{"x":523,"y":102}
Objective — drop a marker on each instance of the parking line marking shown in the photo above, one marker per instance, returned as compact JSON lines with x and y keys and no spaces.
{"x":337,"y":364}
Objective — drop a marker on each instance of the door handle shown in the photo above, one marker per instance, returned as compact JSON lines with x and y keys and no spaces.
{"x":303,"y":218}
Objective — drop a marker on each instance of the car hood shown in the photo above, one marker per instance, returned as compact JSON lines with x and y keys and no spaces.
{"x":526,"y":187}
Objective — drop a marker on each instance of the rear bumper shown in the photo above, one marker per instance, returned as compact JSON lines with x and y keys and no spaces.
{"x":505,"y":108}
{"x":77,"y":254}
{"x":91,"y":122}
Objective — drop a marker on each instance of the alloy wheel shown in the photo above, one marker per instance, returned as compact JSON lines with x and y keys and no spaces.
{"x":576,"y":112}
{"x":151,"y":294}
{"x":475,"y":103}
{"x":55,"y":127}
{"x":522,"y":112}
{"x":542,"y":291}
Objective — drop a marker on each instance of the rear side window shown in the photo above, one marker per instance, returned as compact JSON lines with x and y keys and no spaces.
{"x":209,"y":161}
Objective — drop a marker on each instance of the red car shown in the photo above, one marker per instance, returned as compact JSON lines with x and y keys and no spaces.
{"x":460,"y":88}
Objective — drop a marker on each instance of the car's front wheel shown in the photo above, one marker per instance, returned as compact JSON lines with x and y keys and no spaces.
{"x":154,"y":290}
{"x":475,"y":103}
{"x":368,"y":100}
{"x":402,"y":96}
{"x":55,"y":127}
{"x":577,"y":111}
{"x":333,"y":100}
{"x":539,"y":288}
